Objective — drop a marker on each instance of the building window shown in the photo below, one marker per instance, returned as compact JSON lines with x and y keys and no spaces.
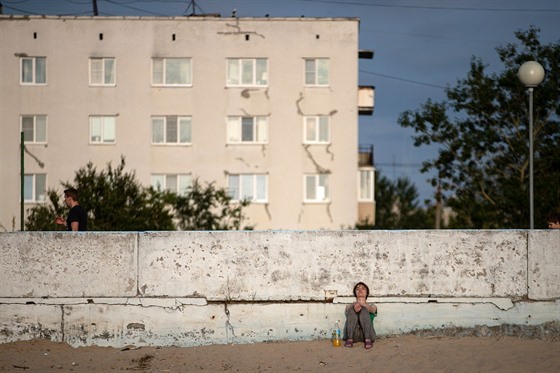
{"x":172,"y":71}
{"x":317,"y":72}
{"x":34,"y":188}
{"x":247,"y":72}
{"x":102,"y":130}
{"x":176,"y":183}
{"x":317,"y":188}
{"x":171,"y":129}
{"x":252,"y":187}
{"x":366,"y":192}
{"x":34,"y":128}
{"x":102,"y":71}
{"x":33,"y":70}
{"x":247,"y":130}
{"x":316,"y":130}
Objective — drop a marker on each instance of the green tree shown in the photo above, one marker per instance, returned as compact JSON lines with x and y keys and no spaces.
{"x":116,"y":201}
{"x":397,"y":206}
{"x":482,"y":133}
{"x":207,"y":207}
{"x":41,"y":217}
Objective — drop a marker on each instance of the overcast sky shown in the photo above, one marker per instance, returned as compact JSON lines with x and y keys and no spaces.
{"x":420,"y":47}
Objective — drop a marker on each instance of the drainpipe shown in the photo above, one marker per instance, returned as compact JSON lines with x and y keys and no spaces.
{"x":22,"y":181}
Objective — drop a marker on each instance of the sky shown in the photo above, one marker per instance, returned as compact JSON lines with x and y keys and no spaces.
{"x":420,"y":47}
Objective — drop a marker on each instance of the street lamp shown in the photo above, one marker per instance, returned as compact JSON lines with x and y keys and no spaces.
{"x":531,"y":74}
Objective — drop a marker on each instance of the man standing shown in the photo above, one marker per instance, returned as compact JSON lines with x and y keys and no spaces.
{"x":77,"y":216}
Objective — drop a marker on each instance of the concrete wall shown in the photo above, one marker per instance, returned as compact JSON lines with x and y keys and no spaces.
{"x":193,"y":288}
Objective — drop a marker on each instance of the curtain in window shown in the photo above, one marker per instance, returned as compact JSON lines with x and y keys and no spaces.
{"x":171,"y":134}
{"x":109,"y":77}
{"x":185,"y":130}
{"x":40,"y":70}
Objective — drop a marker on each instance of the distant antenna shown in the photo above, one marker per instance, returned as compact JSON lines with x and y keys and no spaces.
{"x":192,"y":4}
{"x":95,"y":12}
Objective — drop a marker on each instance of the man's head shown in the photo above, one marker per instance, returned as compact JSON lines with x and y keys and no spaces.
{"x":553,"y":220}
{"x":70,"y":197}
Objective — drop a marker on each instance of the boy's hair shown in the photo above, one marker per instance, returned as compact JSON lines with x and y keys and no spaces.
{"x":364,"y":285}
{"x":71,"y":192}
{"x":553,"y":217}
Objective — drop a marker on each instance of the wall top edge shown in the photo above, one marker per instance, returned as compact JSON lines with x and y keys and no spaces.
{"x":290,"y":231}
{"x":18,"y":17}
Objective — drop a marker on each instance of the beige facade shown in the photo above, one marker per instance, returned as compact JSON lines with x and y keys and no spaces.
{"x":266,"y":107}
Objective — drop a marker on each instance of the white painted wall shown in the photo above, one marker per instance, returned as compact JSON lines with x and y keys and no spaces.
{"x":193,"y":288}
{"x":68,"y":101}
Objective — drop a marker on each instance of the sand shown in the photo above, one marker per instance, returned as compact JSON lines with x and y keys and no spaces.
{"x":407,"y":353}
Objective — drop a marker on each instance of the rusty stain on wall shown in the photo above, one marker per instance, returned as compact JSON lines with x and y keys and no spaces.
{"x":239,"y":31}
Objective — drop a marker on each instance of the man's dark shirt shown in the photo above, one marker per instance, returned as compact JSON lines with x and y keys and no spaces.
{"x":77,"y":213}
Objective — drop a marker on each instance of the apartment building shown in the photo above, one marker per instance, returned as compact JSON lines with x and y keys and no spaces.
{"x":265,"y":107}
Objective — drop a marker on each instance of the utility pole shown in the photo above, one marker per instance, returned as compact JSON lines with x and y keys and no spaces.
{"x":438,"y":204}
{"x":22,"y":180}
{"x":95,"y":12}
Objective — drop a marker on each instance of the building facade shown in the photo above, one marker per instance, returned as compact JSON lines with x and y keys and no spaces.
{"x":265,"y":107}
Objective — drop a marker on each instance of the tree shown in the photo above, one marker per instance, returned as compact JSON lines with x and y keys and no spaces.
{"x":208,"y":208}
{"x":116,"y":201}
{"x":397,"y":206}
{"x":482,"y":131}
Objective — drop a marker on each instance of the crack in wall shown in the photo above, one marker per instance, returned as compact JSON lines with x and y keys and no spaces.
{"x":328,"y":151}
{"x":320,"y":169}
{"x":298,"y":102}
{"x":239,"y":31}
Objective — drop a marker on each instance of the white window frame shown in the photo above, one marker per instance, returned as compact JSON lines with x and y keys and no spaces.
{"x":176,"y":183}
{"x":321,"y":185}
{"x":107,"y":71}
{"x":252,"y":187}
{"x":235,"y":68}
{"x":183,"y":129}
{"x":35,"y":66}
{"x":366,"y":184}
{"x":313,"y":76}
{"x":259,"y":129}
{"x":313,"y":127}
{"x":107,"y":135}
{"x":39,"y":128}
{"x":160,"y":72}
{"x":38,"y":185}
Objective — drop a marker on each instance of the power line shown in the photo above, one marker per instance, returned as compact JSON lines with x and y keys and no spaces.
{"x":404,"y":80}
{"x":430,"y":7}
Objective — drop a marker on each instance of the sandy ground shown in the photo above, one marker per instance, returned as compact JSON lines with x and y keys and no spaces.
{"x":396,"y":354}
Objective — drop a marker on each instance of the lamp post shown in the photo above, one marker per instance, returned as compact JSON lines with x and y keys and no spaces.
{"x":531,"y":74}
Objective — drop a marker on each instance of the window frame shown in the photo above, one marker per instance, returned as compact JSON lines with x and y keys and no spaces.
{"x":237,"y":192}
{"x":371,"y":175}
{"x":35,"y":125}
{"x":165,"y":129}
{"x":34,"y":71}
{"x":164,"y":77}
{"x":103,"y":72}
{"x":317,"y":135}
{"x":260,"y":129}
{"x":238,"y":81}
{"x":316,"y":72}
{"x":317,"y":180}
{"x":166,"y":178}
{"x":102,"y":141}
{"x":35,"y":193}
